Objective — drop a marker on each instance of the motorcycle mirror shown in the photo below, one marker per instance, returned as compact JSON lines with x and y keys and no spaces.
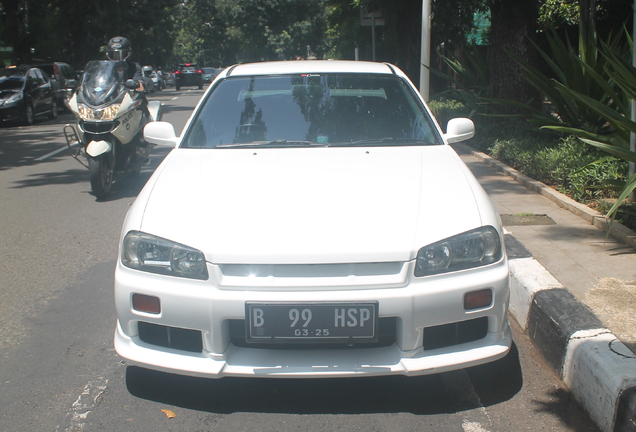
{"x":130,"y":84}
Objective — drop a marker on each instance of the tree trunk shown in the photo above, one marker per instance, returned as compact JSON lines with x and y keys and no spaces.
{"x":513,"y":24}
{"x":17,"y":31}
{"x":588,"y":17}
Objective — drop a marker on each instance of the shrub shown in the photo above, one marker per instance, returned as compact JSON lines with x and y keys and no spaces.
{"x":572,"y":167}
{"x":446,"y":109}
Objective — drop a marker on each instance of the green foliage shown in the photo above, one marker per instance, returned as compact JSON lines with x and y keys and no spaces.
{"x":621,"y":71}
{"x":258,"y":30}
{"x":446,"y":109}
{"x":74,"y":31}
{"x":574,"y":168}
{"x":584,"y":71}
{"x":469,"y":81}
{"x":557,"y":13}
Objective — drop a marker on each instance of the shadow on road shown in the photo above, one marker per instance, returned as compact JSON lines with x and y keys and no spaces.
{"x":425,"y":395}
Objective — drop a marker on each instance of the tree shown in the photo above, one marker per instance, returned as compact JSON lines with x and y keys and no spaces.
{"x":275,"y":29}
{"x":75,"y":32}
{"x":513,"y":26}
{"x":17,"y":29}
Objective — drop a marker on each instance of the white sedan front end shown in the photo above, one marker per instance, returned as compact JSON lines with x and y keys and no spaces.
{"x":320,"y":257}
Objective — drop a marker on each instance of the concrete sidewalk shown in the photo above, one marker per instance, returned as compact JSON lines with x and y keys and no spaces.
{"x":573,"y":289}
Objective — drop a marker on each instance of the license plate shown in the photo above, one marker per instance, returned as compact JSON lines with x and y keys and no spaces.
{"x":311,"y":322}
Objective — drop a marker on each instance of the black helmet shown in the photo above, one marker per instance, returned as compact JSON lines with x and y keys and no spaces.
{"x":118,"y":48}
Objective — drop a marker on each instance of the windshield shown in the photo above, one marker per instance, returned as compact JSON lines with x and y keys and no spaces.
{"x":102,"y":81}
{"x":11,"y":79}
{"x":311,"y":109}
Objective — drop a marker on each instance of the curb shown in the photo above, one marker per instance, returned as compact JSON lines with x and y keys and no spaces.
{"x":598,"y":369}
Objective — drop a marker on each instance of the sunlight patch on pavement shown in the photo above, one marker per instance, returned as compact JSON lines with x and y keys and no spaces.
{"x":615,"y":301}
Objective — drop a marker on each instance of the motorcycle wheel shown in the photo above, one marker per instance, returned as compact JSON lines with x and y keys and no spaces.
{"x":101,"y":173}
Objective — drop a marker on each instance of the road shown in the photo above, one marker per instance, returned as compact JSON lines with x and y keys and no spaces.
{"x":59,"y":371}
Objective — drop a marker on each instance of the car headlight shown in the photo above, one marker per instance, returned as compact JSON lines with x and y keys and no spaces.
{"x":153,"y":254}
{"x":16,"y":97}
{"x":474,"y":248}
{"x":107,"y":114}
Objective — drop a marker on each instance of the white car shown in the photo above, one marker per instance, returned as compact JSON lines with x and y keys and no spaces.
{"x":311,"y":221}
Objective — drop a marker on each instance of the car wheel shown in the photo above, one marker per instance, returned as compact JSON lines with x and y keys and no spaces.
{"x":29,"y":115}
{"x":54,"y":111}
{"x":177,"y":88}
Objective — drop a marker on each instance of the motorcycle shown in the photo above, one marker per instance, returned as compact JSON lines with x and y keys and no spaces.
{"x":110,"y":119}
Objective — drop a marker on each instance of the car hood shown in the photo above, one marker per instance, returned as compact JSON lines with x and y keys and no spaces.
{"x":309,"y":205}
{"x":6,"y":94}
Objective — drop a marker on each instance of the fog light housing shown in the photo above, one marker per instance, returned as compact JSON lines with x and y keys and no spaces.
{"x":146,"y":303}
{"x":478,"y":299}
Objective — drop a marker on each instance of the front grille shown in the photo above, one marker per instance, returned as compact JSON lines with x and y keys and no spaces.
{"x":170,"y":337}
{"x":386,"y":337}
{"x":455,"y":333}
{"x":98,"y":127}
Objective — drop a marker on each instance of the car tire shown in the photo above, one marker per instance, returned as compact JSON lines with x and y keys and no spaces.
{"x":201,"y":86}
{"x":29,"y":115}
{"x":54,"y":110}
{"x":177,"y":88}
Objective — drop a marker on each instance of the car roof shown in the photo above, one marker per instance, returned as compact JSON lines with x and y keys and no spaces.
{"x":312,"y":66}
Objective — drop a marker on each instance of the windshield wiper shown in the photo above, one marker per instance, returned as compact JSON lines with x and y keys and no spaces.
{"x":380,"y":142}
{"x":271,"y":144}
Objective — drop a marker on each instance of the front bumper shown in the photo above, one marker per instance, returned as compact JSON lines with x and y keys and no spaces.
{"x":207,"y":310}
{"x":12,"y":112}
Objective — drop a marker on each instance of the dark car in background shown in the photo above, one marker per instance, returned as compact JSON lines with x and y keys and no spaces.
{"x":188,"y":75}
{"x":26,"y":92}
{"x":63,"y":79}
{"x":209,"y":73}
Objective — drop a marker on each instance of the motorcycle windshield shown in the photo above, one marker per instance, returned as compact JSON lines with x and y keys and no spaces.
{"x":102,"y":82}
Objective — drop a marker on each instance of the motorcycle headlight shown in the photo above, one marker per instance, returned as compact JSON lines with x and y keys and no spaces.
{"x":106,"y":114}
{"x":153,"y":254}
{"x":474,"y":248}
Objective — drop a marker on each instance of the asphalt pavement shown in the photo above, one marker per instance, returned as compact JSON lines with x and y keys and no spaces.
{"x":573,"y":288}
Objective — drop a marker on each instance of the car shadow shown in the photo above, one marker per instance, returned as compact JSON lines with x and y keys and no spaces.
{"x":423,"y":395}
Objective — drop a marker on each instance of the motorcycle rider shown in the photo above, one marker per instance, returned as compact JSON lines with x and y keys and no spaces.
{"x":119,"y":49}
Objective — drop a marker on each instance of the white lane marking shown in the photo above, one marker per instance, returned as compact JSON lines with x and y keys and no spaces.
{"x":53,"y":153}
{"x":469,"y":426}
{"x":175,"y":98}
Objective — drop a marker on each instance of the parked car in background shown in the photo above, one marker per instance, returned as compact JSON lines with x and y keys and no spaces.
{"x":149,"y":84}
{"x":63,"y":79}
{"x":210,"y":73}
{"x":312,"y":221}
{"x":188,"y":75}
{"x":26,"y":92}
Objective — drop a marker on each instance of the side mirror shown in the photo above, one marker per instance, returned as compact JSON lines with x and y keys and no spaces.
{"x":459,"y":129}
{"x":130,"y":84}
{"x":160,"y":133}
